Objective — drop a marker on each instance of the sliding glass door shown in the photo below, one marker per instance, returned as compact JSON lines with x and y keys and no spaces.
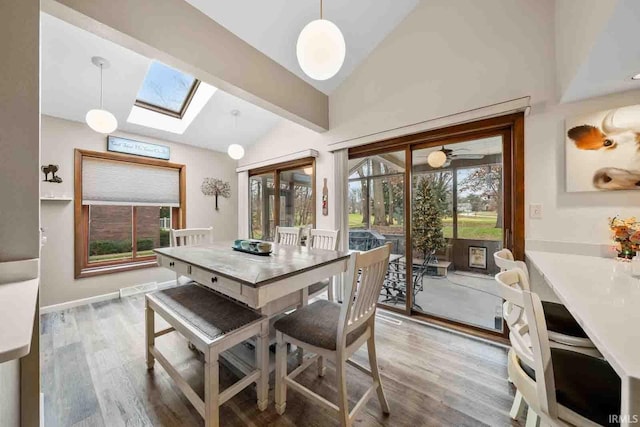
{"x":446,"y":201}
{"x":457,"y":225}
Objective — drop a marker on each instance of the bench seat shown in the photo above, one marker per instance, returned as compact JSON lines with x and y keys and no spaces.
{"x":212,"y":323}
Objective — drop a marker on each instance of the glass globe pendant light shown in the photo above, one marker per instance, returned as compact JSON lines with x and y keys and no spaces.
{"x":99,"y":119}
{"x":235,"y":151}
{"x":437,"y":159}
{"x":320,"y":49}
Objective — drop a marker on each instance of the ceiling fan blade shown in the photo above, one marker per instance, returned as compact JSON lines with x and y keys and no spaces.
{"x":468,"y":156}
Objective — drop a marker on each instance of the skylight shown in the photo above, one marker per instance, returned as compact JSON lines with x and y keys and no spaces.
{"x":166,"y":90}
{"x":169,"y":99}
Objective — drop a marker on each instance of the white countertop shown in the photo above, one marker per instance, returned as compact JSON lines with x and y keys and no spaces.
{"x":18,"y":298}
{"x":604,"y":298}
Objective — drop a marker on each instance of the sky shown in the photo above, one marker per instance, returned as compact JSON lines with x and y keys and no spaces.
{"x":165,"y":87}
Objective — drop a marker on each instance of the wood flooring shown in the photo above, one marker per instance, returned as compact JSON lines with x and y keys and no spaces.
{"x":94,"y":374}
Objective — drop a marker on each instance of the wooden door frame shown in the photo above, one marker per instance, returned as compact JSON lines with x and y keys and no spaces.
{"x":511,"y":128}
{"x":275,"y":170}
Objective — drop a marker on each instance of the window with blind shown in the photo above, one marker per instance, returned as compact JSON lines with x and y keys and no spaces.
{"x":124,"y":208}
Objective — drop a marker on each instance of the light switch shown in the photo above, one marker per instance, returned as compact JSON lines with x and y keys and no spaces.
{"x":535,"y":210}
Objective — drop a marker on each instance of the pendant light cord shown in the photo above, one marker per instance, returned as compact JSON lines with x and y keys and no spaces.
{"x":101,"y":87}
{"x":321,"y":9}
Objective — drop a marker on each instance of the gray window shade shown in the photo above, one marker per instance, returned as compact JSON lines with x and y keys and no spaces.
{"x":107,"y":182}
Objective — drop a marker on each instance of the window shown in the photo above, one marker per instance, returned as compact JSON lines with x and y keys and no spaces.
{"x":296,"y":202}
{"x":124,"y":208}
{"x":166,"y":90}
{"x":169,"y":99}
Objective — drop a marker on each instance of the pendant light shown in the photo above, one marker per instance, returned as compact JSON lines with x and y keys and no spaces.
{"x":320,"y":49}
{"x":437,"y":159}
{"x":235,"y":151}
{"x":99,"y":119}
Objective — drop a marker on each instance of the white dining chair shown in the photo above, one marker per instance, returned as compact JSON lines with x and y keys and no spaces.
{"x":322,"y":239}
{"x":336,"y":331}
{"x":561,"y":387}
{"x":564,"y":330}
{"x":189,"y":237}
{"x":288,"y":236}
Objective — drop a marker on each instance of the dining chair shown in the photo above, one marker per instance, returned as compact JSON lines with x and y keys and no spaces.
{"x":561,"y":387}
{"x":564,"y":330}
{"x":189,"y":237}
{"x":322,"y":239}
{"x":288,"y":236}
{"x":336,"y":331}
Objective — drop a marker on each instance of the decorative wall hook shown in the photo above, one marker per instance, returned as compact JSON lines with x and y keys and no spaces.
{"x":51,"y":169}
{"x":216,"y":187}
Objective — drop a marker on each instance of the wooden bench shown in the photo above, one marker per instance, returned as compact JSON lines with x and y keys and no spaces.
{"x":213,"y":324}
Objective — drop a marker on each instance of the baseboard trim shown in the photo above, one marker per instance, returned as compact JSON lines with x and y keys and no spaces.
{"x":98,"y":298}
{"x":78,"y":302}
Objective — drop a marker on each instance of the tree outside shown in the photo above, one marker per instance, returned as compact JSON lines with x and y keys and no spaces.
{"x":427,"y":232}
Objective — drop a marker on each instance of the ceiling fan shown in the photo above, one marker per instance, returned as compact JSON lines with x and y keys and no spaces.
{"x":444,"y":156}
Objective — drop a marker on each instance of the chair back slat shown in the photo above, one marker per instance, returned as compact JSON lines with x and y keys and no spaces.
{"x":288,"y":236}
{"x":528,"y":334}
{"x":505,"y":261}
{"x":364,"y":281}
{"x":323,"y":239}
{"x":191,"y":236}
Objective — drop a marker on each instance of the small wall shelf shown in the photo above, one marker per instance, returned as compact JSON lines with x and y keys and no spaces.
{"x":56,"y":199}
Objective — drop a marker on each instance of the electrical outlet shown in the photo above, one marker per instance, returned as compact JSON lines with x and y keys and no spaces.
{"x":535,"y":210}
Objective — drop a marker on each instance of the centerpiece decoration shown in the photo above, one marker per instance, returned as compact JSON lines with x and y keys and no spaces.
{"x":216,"y":187}
{"x":626,"y":236}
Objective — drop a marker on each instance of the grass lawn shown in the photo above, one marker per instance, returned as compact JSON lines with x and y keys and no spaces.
{"x":481,"y":226}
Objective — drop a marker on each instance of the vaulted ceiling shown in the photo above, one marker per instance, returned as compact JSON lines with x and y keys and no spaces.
{"x":70,"y":83}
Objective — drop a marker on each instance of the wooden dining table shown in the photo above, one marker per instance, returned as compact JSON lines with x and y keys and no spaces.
{"x":269,"y":284}
{"x":604,"y":297}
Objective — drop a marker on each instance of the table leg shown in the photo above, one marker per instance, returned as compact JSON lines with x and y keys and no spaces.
{"x":630,"y":410}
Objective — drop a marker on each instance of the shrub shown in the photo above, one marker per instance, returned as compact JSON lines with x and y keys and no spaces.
{"x":164,"y":238}
{"x":105,"y":247}
{"x":144,"y":244}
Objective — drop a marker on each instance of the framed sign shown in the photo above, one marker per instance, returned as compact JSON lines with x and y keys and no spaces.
{"x":478,"y":257}
{"x":137,"y":148}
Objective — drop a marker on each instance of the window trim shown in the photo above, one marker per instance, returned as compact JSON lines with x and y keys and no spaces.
{"x":276,"y":169}
{"x":171,"y":113}
{"x":82,"y":268}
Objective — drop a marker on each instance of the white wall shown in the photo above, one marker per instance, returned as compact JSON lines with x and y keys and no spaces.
{"x":577,"y":25}
{"x":59,"y":139}
{"x":19,"y":206}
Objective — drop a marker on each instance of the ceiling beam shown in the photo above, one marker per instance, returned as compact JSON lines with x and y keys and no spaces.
{"x":176,"y":33}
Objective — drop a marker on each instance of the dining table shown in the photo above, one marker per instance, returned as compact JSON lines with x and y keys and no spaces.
{"x":603,"y":294}
{"x":268,"y":283}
